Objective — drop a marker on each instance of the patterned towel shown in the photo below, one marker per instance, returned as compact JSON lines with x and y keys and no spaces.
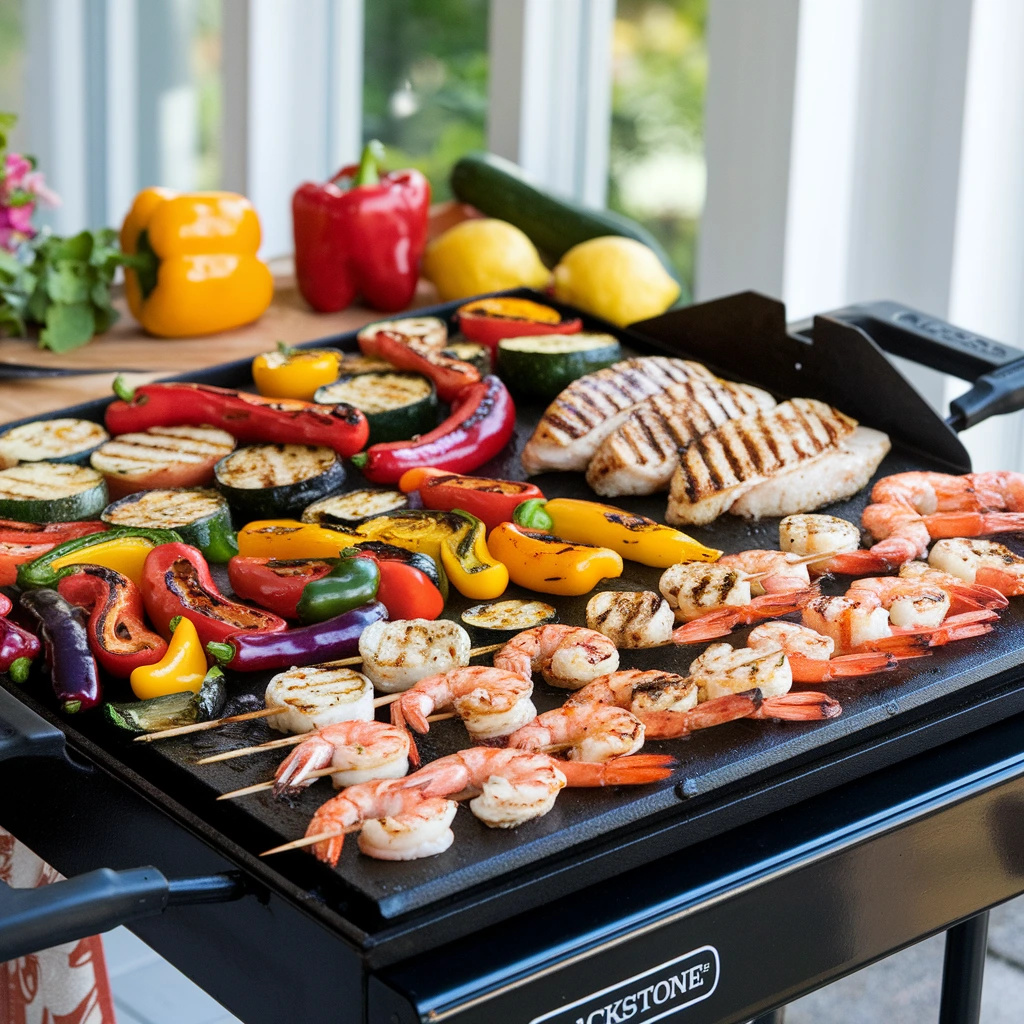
{"x":64,"y":985}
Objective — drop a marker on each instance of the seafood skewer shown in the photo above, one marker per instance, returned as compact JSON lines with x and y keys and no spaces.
{"x":566,"y":656}
{"x":396,"y":655}
{"x":980,"y":564}
{"x":810,"y":654}
{"x":585,"y":732}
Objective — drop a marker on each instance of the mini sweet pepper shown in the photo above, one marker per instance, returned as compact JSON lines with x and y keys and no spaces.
{"x":491,"y":501}
{"x":195,"y":268}
{"x":295,"y":372}
{"x":183,"y":666}
{"x":361,"y":232}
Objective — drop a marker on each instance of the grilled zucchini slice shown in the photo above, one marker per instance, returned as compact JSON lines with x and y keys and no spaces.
{"x":161,"y":457}
{"x":427,"y":330}
{"x":201,"y":516}
{"x":51,"y":492}
{"x":509,"y":616}
{"x":397,"y":405}
{"x":172,"y":709}
{"x":354,"y":507}
{"x":63,"y":440}
{"x":273,"y":481}
{"x":470,"y":352}
{"x":543,"y":365}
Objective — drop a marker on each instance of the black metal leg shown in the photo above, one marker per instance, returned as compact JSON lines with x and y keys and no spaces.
{"x":964,"y":971}
{"x":775,"y":1017}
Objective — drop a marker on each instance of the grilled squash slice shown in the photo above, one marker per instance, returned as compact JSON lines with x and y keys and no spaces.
{"x":51,"y":492}
{"x":397,"y":405}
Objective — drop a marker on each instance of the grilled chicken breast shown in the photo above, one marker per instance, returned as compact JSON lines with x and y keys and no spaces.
{"x":640,"y":456}
{"x":832,"y":476}
{"x":716,"y":469}
{"x":590,"y":408}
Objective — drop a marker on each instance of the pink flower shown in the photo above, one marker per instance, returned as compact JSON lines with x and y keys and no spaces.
{"x":21,"y":188}
{"x":15,"y":168}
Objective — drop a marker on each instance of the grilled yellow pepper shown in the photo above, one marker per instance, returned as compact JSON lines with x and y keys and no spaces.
{"x":634,"y":537}
{"x":551,"y":565}
{"x":295,"y":372}
{"x":182,"y":668}
{"x":126,"y":555}
{"x":196,"y":269}
{"x":455,"y":540}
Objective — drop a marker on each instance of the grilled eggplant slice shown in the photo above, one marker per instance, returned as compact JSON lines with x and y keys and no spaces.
{"x":397,"y":405}
{"x":540,"y":366}
{"x":511,"y":616}
{"x":161,"y":457}
{"x":273,"y":481}
{"x":352,"y":508}
{"x":62,"y":440}
{"x":51,"y":492}
{"x":200,"y":516}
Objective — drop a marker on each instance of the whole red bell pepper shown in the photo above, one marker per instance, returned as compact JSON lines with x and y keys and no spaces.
{"x":361,"y":232}
{"x":481,"y":423}
{"x":176,"y":582}
{"x":118,"y":636}
{"x":450,"y":375}
{"x":491,"y":501}
{"x":245,"y":416}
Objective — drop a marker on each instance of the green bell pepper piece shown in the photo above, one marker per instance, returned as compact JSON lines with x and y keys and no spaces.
{"x":351,"y":583}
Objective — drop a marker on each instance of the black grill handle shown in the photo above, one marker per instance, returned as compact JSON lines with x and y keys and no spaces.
{"x":23,"y":733}
{"x":35,"y":919}
{"x":996,"y":370}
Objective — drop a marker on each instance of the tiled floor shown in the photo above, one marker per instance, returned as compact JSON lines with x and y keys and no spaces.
{"x":904,"y":989}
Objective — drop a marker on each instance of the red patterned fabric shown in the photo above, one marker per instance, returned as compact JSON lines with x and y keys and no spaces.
{"x":64,"y":985}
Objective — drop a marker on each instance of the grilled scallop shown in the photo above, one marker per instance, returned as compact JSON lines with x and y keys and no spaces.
{"x":718,"y":468}
{"x":315,"y":697}
{"x":396,"y":655}
{"x":816,"y":534}
{"x":694,"y":588}
{"x":590,"y":408}
{"x":631,"y":618}
{"x":640,"y":456}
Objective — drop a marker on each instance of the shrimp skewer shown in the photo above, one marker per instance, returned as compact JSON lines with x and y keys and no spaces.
{"x":810,"y":653}
{"x":566,"y":656}
{"x":639,"y":691}
{"x":586,"y":732}
{"x":965,"y":596}
{"x":770,"y":572}
{"x":980,"y":563}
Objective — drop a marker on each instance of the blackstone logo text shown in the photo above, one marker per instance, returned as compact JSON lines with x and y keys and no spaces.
{"x":645,"y":998}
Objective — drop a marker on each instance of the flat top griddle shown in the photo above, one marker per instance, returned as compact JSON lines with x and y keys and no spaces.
{"x":712,"y":763}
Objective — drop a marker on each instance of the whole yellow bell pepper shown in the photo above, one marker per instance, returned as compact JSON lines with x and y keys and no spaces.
{"x":634,"y":537}
{"x":551,"y":565}
{"x":196,"y":270}
{"x":295,"y":372}
{"x":182,"y":668}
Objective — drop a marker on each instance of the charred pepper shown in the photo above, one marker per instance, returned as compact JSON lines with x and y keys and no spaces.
{"x":491,"y":501}
{"x":488,"y":321}
{"x":450,"y":375}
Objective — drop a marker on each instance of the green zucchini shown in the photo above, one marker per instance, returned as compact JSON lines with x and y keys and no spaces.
{"x":172,"y":710}
{"x":470,"y":352}
{"x":354,"y":507}
{"x":275,"y":481}
{"x":201,"y":516}
{"x":51,"y":492}
{"x":542,"y":365}
{"x":499,"y":188}
{"x":355,"y":362}
{"x":429,"y":331}
{"x":511,"y":616}
{"x":61,"y":440}
{"x":397,"y":405}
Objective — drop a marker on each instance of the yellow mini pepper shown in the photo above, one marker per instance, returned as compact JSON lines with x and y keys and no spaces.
{"x":634,"y":537}
{"x":182,"y":668}
{"x":455,"y":540}
{"x":126,"y":555}
{"x":295,"y":372}
{"x":196,"y":269}
{"x":551,"y":565}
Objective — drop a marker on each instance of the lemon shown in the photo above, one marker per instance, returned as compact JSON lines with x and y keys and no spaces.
{"x":480,"y":256}
{"x":616,"y":278}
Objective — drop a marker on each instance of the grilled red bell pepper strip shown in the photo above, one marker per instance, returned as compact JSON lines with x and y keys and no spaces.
{"x":276,"y":583}
{"x":307,"y":645}
{"x":118,"y":636}
{"x":74,"y":674}
{"x":13,"y":532}
{"x":176,"y":581}
{"x":412,"y":586}
{"x":491,"y":501}
{"x":481,"y":423}
{"x":450,"y":375}
{"x":244,"y":416}
{"x":362,"y":232}
{"x":488,"y":321}
{"x":18,"y":647}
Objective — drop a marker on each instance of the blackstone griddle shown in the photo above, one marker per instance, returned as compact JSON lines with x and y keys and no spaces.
{"x":777,"y":857}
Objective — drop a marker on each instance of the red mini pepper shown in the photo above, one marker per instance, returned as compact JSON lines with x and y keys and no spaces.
{"x":361,"y":232}
{"x":118,"y":636}
{"x":450,"y":375}
{"x":18,"y":647}
{"x":491,"y":501}
{"x":481,"y":423}
{"x":488,"y":321}
{"x":25,"y":542}
{"x":176,"y":581}
{"x":245,"y":416}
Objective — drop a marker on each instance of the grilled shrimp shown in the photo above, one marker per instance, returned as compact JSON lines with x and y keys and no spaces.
{"x":693,"y":589}
{"x":810,"y":653}
{"x":983,"y":563}
{"x":588,"y":732}
{"x":964,"y":596}
{"x":361,"y":751}
{"x":911,"y":604}
{"x":315,"y":697}
{"x":566,"y":656}
{"x":398,"y":654}
{"x":769,"y":572}
{"x":490,"y":701}
{"x":631,"y":619}
{"x":723,"y":669}
{"x":398,"y":821}
{"x":639,"y":691}
{"x":810,"y":533}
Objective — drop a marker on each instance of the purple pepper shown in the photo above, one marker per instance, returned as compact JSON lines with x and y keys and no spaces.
{"x":308,"y":645}
{"x":73,"y":672}
{"x":18,"y":648}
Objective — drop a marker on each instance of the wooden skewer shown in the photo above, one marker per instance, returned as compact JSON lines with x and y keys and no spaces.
{"x":802,"y":560}
{"x":184,"y":730}
{"x":259,"y":787}
{"x":357,"y":660}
